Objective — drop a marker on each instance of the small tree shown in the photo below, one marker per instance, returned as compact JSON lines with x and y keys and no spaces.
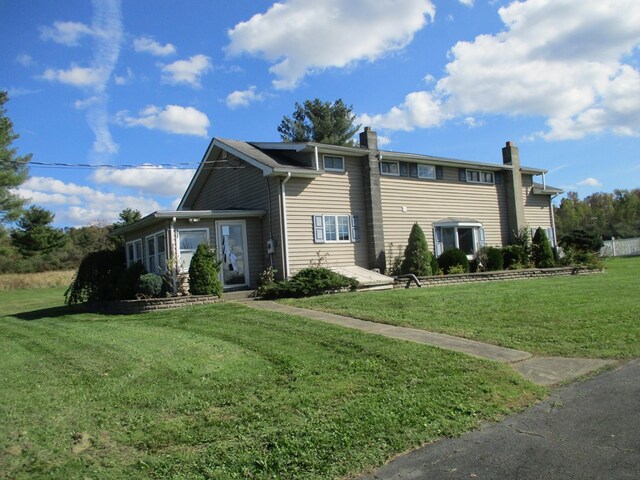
{"x":204,"y":272}
{"x":35,"y":233}
{"x":541,"y":251}
{"x":417,"y":258}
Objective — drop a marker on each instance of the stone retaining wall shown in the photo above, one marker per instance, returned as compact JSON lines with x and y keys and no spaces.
{"x":436,"y":280}
{"x":129,"y":307}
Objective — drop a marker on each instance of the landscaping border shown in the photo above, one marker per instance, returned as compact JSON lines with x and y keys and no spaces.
{"x":501,"y":275}
{"x":130,"y":307}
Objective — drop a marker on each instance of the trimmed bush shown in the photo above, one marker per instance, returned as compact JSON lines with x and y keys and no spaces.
{"x":495,"y":260}
{"x":417,"y":258}
{"x":541,"y":251}
{"x":308,"y":282}
{"x":149,"y":285}
{"x":204,"y":272}
{"x":451,"y":258}
{"x":514,"y":257}
{"x":97,"y":277}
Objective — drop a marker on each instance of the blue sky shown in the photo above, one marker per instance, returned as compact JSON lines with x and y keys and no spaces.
{"x":151,"y":82}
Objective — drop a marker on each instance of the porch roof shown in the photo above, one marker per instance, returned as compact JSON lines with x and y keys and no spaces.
{"x":192,"y":215}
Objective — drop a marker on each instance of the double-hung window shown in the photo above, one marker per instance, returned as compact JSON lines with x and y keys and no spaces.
{"x":468,"y":236}
{"x":426,"y":171}
{"x":333,"y":163}
{"x":134,"y":252}
{"x":480,"y":176}
{"x":390,"y":168}
{"x":335,"y":228}
{"x":157,"y":253}
{"x":188,"y":240}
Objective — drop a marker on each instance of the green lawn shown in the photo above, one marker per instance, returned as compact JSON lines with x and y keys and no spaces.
{"x":583,"y":316}
{"x":223,"y":392}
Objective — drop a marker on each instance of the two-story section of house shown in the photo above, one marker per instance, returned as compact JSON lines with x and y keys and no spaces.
{"x":287,"y":205}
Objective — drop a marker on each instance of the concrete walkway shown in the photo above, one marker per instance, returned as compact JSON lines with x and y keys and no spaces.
{"x":540,"y":370}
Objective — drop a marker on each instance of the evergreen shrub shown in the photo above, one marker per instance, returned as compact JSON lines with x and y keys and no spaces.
{"x":417,"y":258}
{"x":451,"y":258}
{"x":97,"y":277}
{"x":204,"y":272}
{"x":126,"y":288}
{"x":541,"y":251}
{"x":149,"y":285}
{"x":308,"y":282}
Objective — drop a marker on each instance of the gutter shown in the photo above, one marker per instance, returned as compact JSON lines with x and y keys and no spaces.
{"x":285,"y":236}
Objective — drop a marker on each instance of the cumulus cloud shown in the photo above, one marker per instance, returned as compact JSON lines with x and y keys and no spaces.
{"x":76,"y":76}
{"x":299,"y":37}
{"x":25,"y":60}
{"x":187,"y":71}
{"x":242,"y":98}
{"x":419,"y":110}
{"x":562,"y":60}
{"x":172,"y":119}
{"x":468,"y":3}
{"x":149,"y":180}
{"x":590,"y":182}
{"x":66,"y":33}
{"x":77,"y":205}
{"x":149,"y":45}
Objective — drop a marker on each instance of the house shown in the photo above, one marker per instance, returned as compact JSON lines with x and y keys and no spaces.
{"x":285,"y":205}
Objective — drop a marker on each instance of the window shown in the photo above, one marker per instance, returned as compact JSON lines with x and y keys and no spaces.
{"x":157,"y":253}
{"x":188,"y":240}
{"x":426,"y":171}
{"x":335,"y":228}
{"x":134,"y":252}
{"x":333,"y":164}
{"x":390,"y":168}
{"x":479,"y":176}
{"x":465,"y":235}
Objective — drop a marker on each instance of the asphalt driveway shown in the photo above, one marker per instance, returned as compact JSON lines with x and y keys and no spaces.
{"x":586,"y":430}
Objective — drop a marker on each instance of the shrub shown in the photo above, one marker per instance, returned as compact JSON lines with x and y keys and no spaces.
{"x":204,"y":272}
{"x":149,"y":285}
{"x":97,"y":277}
{"x":541,"y":251}
{"x":491,"y":258}
{"x":522,"y":239}
{"x":417,"y":258}
{"x":126,"y":288}
{"x":514,"y":257}
{"x":307,"y":282}
{"x":451,"y":258}
{"x":457,"y":269}
{"x":581,"y":241}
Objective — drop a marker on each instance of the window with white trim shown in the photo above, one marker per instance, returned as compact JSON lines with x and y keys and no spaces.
{"x":333,"y":163}
{"x":157,"y":253}
{"x":134,"y":252}
{"x":466,"y":236}
{"x":335,"y":228}
{"x":480,"y":176}
{"x":426,"y":171}
{"x":188,"y":241}
{"x":390,"y":168}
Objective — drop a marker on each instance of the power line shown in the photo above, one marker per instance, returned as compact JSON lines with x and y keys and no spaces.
{"x":173,"y":166}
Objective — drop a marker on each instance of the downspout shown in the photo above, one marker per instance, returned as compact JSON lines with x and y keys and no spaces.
{"x":316,"y":159}
{"x":285,"y":236}
{"x":553,"y":225}
{"x":174,"y":256}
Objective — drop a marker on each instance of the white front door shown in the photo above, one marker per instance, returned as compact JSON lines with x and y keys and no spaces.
{"x":231,"y":240}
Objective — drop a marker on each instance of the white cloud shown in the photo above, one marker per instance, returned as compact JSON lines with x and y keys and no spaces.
{"x":300,"y":37}
{"x":560,"y":60}
{"x":590,"y":182}
{"x":124,"y":79}
{"x":76,"y":76}
{"x":76,"y":205}
{"x":25,"y":60}
{"x":473,"y":122}
{"x":419,"y":110}
{"x":172,"y":119}
{"x":149,"y":45}
{"x":468,"y":3}
{"x":187,"y":71}
{"x":66,"y":33}
{"x":152,"y":180}
{"x":242,"y":98}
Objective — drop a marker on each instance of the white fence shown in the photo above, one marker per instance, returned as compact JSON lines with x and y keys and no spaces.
{"x":621,"y":247}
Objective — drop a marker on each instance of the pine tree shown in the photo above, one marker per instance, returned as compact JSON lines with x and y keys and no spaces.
{"x":417,"y":258}
{"x":204,"y":272}
{"x":541,"y":250}
{"x":35,"y":234}
{"x":13,"y":168}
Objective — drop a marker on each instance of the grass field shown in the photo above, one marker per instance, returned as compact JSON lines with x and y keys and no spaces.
{"x":223,"y":392}
{"x":17,"y":281}
{"x":582,"y":316}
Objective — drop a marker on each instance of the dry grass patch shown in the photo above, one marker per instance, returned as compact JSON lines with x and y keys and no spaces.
{"x":21,"y":281}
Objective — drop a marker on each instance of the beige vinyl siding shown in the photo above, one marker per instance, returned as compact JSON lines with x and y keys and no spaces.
{"x":428,"y":201}
{"x":537,"y":210}
{"x":331,"y":193}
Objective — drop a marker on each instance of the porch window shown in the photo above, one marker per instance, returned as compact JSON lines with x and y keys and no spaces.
{"x":467,"y":236}
{"x":157,"y":253}
{"x":134,"y":252}
{"x":189,"y":241}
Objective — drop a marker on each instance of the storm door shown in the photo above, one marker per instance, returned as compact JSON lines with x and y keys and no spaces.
{"x":231,"y":239}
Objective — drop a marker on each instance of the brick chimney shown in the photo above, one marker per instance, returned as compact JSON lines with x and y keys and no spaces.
{"x":513,"y":188}
{"x":373,"y":200}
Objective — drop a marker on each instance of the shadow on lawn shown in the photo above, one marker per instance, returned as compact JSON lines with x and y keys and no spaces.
{"x":52,"y":312}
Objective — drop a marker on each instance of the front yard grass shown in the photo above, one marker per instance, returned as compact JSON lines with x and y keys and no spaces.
{"x":594,"y":316}
{"x":222,"y":392}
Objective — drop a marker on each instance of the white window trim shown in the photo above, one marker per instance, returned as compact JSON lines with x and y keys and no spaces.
{"x":481,"y":174}
{"x":397,"y":164}
{"x":156,"y":254}
{"x":477,"y":231}
{"x":433,"y":167}
{"x":331,"y":169}
{"x":185,"y":268}
{"x":135,"y":259}
{"x":320,"y":228}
